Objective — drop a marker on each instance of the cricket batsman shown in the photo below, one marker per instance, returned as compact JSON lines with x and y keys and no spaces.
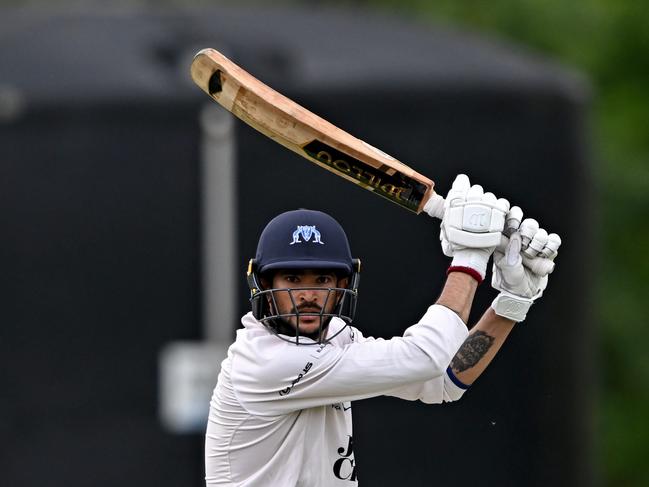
{"x":280,"y":415}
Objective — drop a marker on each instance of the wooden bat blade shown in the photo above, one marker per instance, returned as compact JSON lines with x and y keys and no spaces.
{"x":310,"y":136}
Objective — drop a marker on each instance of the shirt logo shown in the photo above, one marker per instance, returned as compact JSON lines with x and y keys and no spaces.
{"x":345,"y":466}
{"x":342,"y":406}
{"x":307,"y":231}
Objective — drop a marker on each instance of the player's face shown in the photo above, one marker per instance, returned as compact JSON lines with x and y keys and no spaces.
{"x":310,"y":290}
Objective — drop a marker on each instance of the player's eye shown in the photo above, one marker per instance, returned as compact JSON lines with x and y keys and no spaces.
{"x":291,"y":278}
{"x":326,"y":279}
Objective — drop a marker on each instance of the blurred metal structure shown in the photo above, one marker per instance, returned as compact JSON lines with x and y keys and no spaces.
{"x":220,"y":225}
{"x":188,"y":370}
{"x":100,"y":190}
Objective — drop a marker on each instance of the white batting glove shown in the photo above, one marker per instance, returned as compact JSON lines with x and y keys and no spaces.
{"x":472,"y":226}
{"x":520,"y":272}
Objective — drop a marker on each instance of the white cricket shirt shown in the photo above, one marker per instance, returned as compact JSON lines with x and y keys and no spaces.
{"x":280,"y":415}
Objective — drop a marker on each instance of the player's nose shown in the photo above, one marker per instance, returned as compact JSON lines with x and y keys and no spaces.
{"x":307,"y":295}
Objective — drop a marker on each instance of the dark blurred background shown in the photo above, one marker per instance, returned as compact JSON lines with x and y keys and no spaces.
{"x":110,"y":165}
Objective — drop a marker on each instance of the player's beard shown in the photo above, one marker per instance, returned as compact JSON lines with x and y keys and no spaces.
{"x":284,"y":326}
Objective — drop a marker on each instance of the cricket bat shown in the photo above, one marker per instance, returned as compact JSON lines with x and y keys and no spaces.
{"x":310,"y":136}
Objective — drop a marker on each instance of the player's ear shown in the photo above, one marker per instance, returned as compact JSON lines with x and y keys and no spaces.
{"x":266,"y":280}
{"x":343,"y":282}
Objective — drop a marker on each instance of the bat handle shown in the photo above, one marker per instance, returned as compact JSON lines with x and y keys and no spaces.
{"x":435,"y":206}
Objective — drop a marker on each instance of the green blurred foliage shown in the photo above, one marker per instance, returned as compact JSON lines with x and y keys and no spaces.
{"x":608,"y":40}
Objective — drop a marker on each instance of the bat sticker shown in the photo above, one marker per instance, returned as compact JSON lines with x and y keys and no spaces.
{"x":384,"y":181}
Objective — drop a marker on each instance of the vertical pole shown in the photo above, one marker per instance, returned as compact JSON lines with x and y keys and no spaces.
{"x":188,"y":370}
{"x":219,"y":223}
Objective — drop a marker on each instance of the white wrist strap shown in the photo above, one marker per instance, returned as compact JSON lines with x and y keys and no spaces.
{"x":511,"y":307}
{"x":473,"y":259}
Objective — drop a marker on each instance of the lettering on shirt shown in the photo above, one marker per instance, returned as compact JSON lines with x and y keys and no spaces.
{"x":318,"y":351}
{"x":306,"y":368}
{"x":345,"y":467}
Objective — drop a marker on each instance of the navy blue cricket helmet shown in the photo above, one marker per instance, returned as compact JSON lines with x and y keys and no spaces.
{"x":302,"y":239}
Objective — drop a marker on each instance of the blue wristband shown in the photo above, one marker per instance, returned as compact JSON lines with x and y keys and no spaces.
{"x":455,"y":380}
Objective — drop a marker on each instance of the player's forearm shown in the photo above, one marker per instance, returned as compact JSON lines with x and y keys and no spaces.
{"x":481,"y":346}
{"x":458,"y":294}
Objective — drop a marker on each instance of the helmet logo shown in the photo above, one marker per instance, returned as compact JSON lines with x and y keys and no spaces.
{"x":307,"y":231}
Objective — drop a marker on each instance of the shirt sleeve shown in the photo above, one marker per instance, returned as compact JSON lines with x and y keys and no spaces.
{"x":433,"y":391}
{"x":272,"y":377}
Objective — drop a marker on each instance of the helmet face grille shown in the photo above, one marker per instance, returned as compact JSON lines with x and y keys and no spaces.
{"x":265,"y":301}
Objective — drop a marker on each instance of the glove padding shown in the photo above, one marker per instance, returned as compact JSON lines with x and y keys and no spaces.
{"x":521,"y":272}
{"x":472,"y":225}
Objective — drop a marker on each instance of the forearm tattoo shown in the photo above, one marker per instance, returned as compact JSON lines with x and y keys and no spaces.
{"x":471,"y":351}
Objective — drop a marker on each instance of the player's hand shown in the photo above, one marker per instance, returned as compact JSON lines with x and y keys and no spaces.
{"x":472,"y":226}
{"x":520,"y":271}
